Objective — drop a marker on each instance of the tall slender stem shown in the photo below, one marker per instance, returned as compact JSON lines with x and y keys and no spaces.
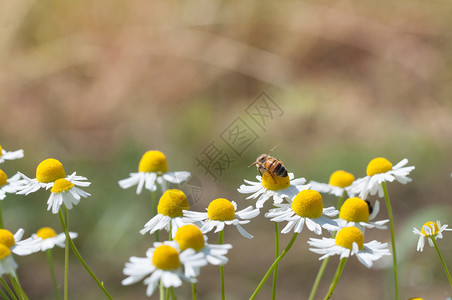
{"x":336,"y":278}
{"x":4,"y":295}
{"x":442,"y":261}
{"x":394,"y":253}
{"x":52,"y":273}
{"x":66,"y":254}
{"x":275,"y":272}
{"x":275,"y":263}
{"x":193,"y":291}
{"x":16,"y":284}
{"x":77,"y":254}
{"x":162,"y":291}
{"x":220,"y":241}
{"x":318,"y":278}
{"x":8,"y":289}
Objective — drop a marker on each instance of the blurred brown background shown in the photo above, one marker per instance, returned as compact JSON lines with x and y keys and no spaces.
{"x":95,"y":84}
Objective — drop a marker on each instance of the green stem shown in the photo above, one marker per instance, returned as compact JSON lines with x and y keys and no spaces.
{"x":220,"y":241}
{"x":77,"y":254}
{"x":64,"y":223}
{"x":173,"y":295}
{"x":162,"y":291}
{"x":394,"y":253}
{"x":8,"y":289}
{"x":275,"y":263}
{"x":275,"y":272}
{"x":336,"y":278}
{"x":170,"y":237}
{"x":167,"y":294}
{"x":16,"y":284}
{"x":193,"y":291}
{"x":154,"y":212}
{"x":318,"y":278}
{"x":52,"y":273}
{"x":4,"y":295}
{"x":442,"y":261}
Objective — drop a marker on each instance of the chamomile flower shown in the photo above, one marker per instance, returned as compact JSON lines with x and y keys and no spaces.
{"x":8,"y":185}
{"x":12,"y":240}
{"x":10,"y":155}
{"x":381,"y":170}
{"x":269,"y":186}
{"x":429,"y":230}
{"x":349,"y":241}
{"x":44,"y":239}
{"x":64,"y":191}
{"x":339,"y":183}
{"x":306,"y":207}
{"x":163,"y":263}
{"x":190,"y":237}
{"x":153,"y":170}
{"x":359,"y":213}
{"x":169,"y":213}
{"x":47,"y":172}
{"x":221,"y":212}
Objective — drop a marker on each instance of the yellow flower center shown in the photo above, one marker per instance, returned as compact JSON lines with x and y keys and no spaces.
{"x":349,"y":235}
{"x":172,"y":203}
{"x":275,"y":183}
{"x":4,"y":251}
{"x":46,"y":232}
{"x":341,"y":178}
{"x":3,"y":178}
{"x":354,"y":210}
{"x":308,"y":204}
{"x":221,"y":210}
{"x":49,"y":170}
{"x":61,"y":185}
{"x":1,"y":151}
{"x":153,"y":161}
{"x":6,"y":238}
{"x":189,"y":236}
{"x":378,"y":165}
{"x":166,"y":258}
{"x":416,"y":298}
{"x":429,"y":225}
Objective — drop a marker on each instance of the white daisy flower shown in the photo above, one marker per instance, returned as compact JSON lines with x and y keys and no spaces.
{"x":381,"y":170}
{"x":10,"y":155}
{"x":429,"y":230}
{"x":163,"y":263}
{"x":339,"y":184}
{"x":44,"y":239}
{"x":169,"y":213}
{"x":269,"y":186}
{"x":349,"y":241}
{"x":12,"y":241}
{"x":359,"y":213}
{"x":8,"y":185}
{"x":190,"y":237}
{"x":64,"y":191}
{"x":153,"y":169}
{"x":221,"y":212}
{"x":306,"y":207}
{"x":47,"y":172}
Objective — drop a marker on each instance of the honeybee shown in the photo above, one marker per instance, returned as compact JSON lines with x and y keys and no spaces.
{"x":271,"y":165}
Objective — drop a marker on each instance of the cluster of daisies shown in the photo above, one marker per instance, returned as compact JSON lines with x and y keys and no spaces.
{"x":170,"y":261}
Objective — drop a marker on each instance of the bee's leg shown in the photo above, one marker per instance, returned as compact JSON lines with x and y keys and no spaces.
{"x":272,"y":177}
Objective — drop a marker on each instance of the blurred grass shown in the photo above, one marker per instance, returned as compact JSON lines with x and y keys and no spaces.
{"x":95,"y":85}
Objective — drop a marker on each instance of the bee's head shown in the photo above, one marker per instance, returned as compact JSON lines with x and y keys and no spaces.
{"x":262,"y":158}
